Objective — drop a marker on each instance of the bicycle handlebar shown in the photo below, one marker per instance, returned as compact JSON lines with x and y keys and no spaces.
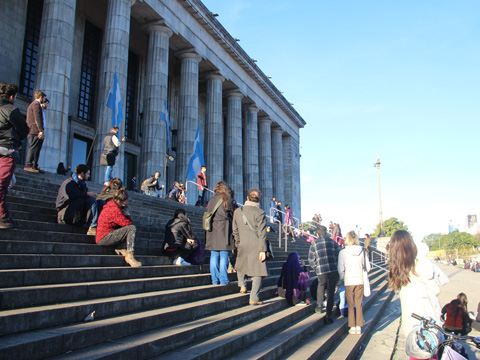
{"x":429,"y":323}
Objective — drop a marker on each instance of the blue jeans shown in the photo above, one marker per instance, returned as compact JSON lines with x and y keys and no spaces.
{"x":91,"y":204}
{"x":108,"y":173}
{"x":219,"y":274}
{"x":151,"y":193}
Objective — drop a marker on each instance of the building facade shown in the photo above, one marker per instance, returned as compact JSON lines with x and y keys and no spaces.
{"x":171,"y":54}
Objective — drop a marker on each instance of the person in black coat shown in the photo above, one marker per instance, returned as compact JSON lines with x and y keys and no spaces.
{"x":179,"y":238}
{"x":220,"y":240}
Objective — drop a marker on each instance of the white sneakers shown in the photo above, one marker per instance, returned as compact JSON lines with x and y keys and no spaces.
{"x":180,"y":261}
{"x":355,"y":330}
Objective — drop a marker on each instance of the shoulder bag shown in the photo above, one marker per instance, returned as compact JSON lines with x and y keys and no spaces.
{"x":366,"y":283}
{"x":269,"y":252}
{"x":208,"y":216}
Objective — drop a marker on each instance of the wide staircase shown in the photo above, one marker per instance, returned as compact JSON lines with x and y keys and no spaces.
{"x":64,"y":297}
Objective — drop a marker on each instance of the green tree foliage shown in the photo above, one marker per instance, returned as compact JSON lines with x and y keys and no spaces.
{"x":432,"y":240}
{"x":454,"y":240}
{"x":390,"y":226}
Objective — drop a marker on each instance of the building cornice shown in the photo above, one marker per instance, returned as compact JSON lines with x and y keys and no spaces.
{"x":201,"y":13}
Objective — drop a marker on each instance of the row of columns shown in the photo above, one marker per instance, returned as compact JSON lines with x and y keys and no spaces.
{"x":244,"y":156}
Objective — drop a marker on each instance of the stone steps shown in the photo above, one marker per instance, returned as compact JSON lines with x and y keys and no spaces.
{"x":52,"y":276}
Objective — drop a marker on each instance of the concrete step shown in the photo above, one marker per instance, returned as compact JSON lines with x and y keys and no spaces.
{"x":241,"y":337}
{"x":349,"y":345}
{"x":62,"y":339}
{"x":320,"y":342}
{"x":47,"y":316}
{"x":34,"y":261}
{"x":15,"y":298}
{"x":43,"y":276}
{"x":155,"y":342}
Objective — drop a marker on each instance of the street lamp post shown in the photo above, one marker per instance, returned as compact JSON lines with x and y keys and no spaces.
{"x":377,"y":165}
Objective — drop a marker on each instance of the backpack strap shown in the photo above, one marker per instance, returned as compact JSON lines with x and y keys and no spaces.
{"x":246,"y":222}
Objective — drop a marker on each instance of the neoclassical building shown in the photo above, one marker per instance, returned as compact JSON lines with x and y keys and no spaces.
{"x":172,"y":52}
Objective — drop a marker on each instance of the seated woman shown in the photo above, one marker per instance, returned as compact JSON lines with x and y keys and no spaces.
{"x":294,"y":281}
{"x":174,"y":193}
{"x":179,"y":239}
{"x":108,"y":192}
{"x":115,"y":227}
{"x":456,"y":316}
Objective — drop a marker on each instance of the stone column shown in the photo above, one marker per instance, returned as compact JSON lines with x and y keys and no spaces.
{"x":233,"y":145}
{"x":188,"y":114}
{"x":287,"y":170}
{"x":156,"y":84}
{"x":114,"y":57}
{"x":277,"y":164}
{"x":214,"y":129}
{"x":250,"y":150}
{"x":53,"y":77}
{"x":296,"y":197}
{"x":265,"y":161}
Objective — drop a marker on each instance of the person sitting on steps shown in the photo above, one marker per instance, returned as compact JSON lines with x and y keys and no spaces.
{"x":179,"y":238}
{"x":115,"y":227}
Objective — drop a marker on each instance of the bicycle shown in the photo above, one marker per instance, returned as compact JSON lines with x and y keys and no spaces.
{"x":430,"y":339}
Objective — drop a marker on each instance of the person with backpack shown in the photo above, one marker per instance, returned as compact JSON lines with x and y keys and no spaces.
{"x":151,"y":184}
{"x":219,"y":239}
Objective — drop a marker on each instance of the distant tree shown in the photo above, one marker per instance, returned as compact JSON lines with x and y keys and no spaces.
{"x":458,"y":240}
{"x":433,"y":240}
{"x":390,"y":226}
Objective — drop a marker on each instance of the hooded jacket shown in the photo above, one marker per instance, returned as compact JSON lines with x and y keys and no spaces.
{"x":350,"y":265}
{"x":177,"y":231}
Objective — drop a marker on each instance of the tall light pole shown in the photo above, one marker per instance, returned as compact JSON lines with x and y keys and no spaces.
{"x":377,"y":165}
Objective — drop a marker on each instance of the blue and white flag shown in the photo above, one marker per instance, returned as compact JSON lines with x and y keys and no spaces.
{"x":197,"y":160}
{"x":164,"y":116}
{"x":114,"y":102}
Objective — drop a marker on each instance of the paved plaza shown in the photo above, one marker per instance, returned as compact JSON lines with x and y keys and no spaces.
{"x":382,"y":341}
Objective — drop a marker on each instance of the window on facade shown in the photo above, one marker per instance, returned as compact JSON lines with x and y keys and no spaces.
{"x":131,"y":108}
{"x":88,"y":77}
{"x":130,"y":168}
{"x":30,"y":47}
{"x":81,"y":148}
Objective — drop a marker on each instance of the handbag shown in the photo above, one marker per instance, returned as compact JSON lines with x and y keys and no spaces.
{"x":366,"y":284}
{"x":269,"y":253}
{"x":103,"y":159}
{"x":208,"y":217}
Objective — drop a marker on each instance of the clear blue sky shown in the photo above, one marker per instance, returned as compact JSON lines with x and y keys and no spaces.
{"x":398,"y":79}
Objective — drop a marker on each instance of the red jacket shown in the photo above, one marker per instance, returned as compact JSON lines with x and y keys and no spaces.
{"x":454,"y":316}
{"x":111,"y":218}
{"x":202,"y":180}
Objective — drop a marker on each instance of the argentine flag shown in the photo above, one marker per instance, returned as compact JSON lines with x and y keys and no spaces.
{"x":197,"y":159}
{"x":164,"y":117}
{"x":114,"y":102}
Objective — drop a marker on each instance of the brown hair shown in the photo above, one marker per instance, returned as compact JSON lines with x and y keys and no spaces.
{"x":38,"y":94}
{"x":7,"y":90}
{"x":222,"y":189}
{"x":254,"y":195}
{"x":120,"y":196}
{"x":403,"y":253}
{"x":113,"y":184}
{"x":463,"y":302}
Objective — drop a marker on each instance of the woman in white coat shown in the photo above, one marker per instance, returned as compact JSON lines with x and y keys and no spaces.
{"x":351,"y":262}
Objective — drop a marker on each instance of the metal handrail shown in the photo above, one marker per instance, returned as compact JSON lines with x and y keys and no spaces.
{"x":293,"y":217}
{"x":193,"y":182}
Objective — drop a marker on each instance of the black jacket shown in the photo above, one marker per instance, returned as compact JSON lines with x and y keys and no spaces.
{"x":13,"y":127}
{"x":177,"y":231}
{"x":69,"y":191}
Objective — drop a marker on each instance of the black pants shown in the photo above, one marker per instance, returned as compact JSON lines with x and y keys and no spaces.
{"x":33,"y":153}
{"x":328,"y":280}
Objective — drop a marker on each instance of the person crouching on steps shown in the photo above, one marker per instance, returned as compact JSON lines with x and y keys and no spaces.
{"x":115,"y":227}
{"x":179,"y":238}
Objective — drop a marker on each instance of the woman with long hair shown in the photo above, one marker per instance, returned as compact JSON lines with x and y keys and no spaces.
{"x":415,"y":284}
{"x":219,"y":240}
{"x":294,"y":281}
{"x":456,"y":316}
{"x":351,"y":262}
